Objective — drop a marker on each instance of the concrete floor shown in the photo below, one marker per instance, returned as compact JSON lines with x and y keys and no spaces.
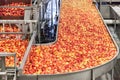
{"x":116,"y":36}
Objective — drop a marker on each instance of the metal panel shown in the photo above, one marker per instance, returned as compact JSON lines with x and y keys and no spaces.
{"x":85,"y":75}
{"x":116,"y":10}
{"x":108,"y":0}
{"x":105,"y":11}
{"x":24,"y":77}
{"x":103,"y":69}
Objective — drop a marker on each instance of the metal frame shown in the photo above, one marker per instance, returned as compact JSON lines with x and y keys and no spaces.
{"x":32,"y":24}
{"x":116,"y":10}
{"x":8,"y":71}
{"x":87,"y":74}
{"x":108,"y":1}
{"x":29,"y":12}
{"x":32,"y":41}
{"x":22,"y":24}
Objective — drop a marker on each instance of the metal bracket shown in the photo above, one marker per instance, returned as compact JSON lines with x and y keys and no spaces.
{"x":92,"y":75}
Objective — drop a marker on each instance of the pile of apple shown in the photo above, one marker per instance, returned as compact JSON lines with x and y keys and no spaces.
{"x":9,"y":28}
{"x":83,"y":42}
{"x":14,"y":46}
{"x":13,"y":11}
{"x":11,"y":43}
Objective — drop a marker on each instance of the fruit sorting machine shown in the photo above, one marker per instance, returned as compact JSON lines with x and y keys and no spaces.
{"x":83,"y":50}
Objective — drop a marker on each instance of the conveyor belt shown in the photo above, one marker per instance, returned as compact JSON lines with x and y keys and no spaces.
{"x":81,"y":30}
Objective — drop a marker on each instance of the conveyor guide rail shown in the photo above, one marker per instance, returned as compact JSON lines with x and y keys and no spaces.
{"x":5,"y":72}
{"x":24,"y":25}
{"x":27,"y":52}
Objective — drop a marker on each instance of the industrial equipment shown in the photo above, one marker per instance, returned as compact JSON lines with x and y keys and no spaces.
{"x":56,"y":34}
